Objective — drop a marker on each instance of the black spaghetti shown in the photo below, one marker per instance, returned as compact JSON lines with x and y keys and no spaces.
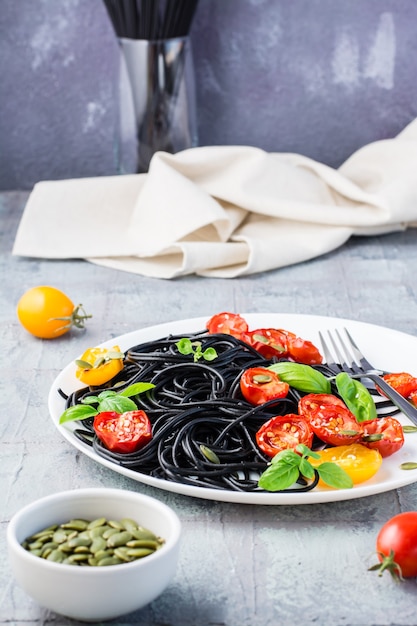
{"x":203,"y":430}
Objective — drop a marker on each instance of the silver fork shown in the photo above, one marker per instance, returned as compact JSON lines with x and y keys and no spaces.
{"x":351,"y":360}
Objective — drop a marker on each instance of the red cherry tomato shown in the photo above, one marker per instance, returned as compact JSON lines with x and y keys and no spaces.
{"x":268,"y":341}
{"x":396,"y":546}
{"x":330,"y":419}
{"x":283,"y":432}
{"x":303,"y":351}
{"x":391,"y":432}
{"x":123,"y":432}
{"x":227,"y":323}
{"x":259,"y":385}
{"x":404,"y":383}
{"x":413,"y":397}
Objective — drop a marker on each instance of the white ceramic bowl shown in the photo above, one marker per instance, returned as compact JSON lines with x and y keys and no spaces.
{"x":94,"y":593}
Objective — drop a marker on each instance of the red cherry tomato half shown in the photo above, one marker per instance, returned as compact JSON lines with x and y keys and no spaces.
{"x":283,"y":432}
{"x":259,"y":385}
{"x":391,"y":432}
{"x":330,"y":419}
{"x":396,"y":545}
{"x":404,"y":383}
{"x":268,"y":341}
{"x":227,"y":323}
{"x":123,"y":432}
{"x":303,"y":351}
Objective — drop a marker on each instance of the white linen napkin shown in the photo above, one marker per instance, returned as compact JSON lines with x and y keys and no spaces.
{"x":223,"y":211}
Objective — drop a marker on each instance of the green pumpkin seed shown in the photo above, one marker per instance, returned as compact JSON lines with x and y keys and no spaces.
{"x":143,"y":533}
{"x":77,"y":558}
{"x":119,"y":539}
{"x":98,"y":531}
{"x":97,"y":523}
{"x":143,"y":543}
{"x":102,"y":554}
{"x":59,"y":536}
{"x":82,"y":550}
{"x":122,"y":553}
{"x":76,"y":524}
{"x":98,"y":544}
{"x":46,"y":531}
{"x":139,"y":553}
{"x":57,"y":556}
{"x":108,"y":533}
{"x":129,"y":524}
{"x":79,"y":541}
{"x":114,"y":524}
{"x":110,"y":560}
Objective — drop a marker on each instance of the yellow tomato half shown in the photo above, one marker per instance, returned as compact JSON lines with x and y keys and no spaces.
{"x":360,"y":462}
{"x":104,"y":365}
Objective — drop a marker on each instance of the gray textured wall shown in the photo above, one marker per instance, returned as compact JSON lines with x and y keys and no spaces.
{"x":318,"y":77}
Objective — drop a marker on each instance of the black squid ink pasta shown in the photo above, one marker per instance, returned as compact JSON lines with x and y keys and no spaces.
{"x":203,"y":430}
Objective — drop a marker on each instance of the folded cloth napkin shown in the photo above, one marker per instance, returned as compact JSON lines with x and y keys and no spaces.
{"x":223,"y":211}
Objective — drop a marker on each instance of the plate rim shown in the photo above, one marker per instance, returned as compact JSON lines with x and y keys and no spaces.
{"x":316,"y":496}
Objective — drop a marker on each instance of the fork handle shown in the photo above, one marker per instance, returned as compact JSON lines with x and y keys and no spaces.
{"x":400,"y":402}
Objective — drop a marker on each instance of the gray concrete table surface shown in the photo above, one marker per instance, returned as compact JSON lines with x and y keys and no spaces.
{"x":240,"y":565}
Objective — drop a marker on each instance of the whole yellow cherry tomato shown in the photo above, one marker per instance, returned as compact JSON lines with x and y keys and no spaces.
{"x":46,"y":312}
{"x":99,"y":365}
{"x":360,"y":462}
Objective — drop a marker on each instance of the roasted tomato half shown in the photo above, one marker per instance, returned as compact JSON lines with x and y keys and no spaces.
{"x":99,"y":365}
{"x":227,"y":323}
{"x":384,"y":434}
{"x":259,"y":385}
{"x":123,"y":432}
{"x":283,"y":432}
{"x":357,"y":460}
{"x":303,"y":351}
{"x":330,"y":419}
{"x":268,"y":341}
{"x":402,"y":382}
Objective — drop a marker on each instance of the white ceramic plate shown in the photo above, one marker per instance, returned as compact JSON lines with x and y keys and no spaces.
{"x":385,"y":348}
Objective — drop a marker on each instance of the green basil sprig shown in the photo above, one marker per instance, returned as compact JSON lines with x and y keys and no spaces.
{"x":287,"y":466}
{"x":302,"y":377}
{"x":108,"y":400}
{"x":356,"y":397}
{"x":186,"y":346}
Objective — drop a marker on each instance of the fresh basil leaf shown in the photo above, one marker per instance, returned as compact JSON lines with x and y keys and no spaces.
{"x":91,"y":400}
{"x":185,"y":346}
{"x":305,"y":451}
{"x":135,"y":389}
{"x":77,"y":412}
{"x":209,"y":354}
{"x":117,"y":403}
{"x":302,"y":377}
{"x":279,"y":476}
{"x":334,"y":476}
{"x":356,"y":397}
{"x":106,"y":394}
{"x":306,"y":469}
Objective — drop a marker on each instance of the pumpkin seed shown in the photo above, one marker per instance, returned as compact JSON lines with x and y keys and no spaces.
{"x":97,"y":523}
{"x":129,"y":524}
{"x":57,"y":556}
{"x":75,"y":524}
{"x":113,"y":524}
{"x":119,"y":539}
{"x":110,"y":560}
{"x":138,"y":553}
{"x":99,"y":542}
